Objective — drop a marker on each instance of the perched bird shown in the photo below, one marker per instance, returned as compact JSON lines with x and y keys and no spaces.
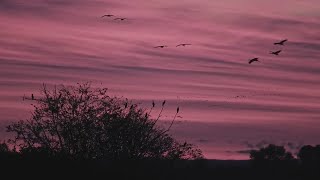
{"x":178,"y":110}
{"x":276,"y":52}
{"x":153,"y":104}
{"x":121,"y":19}
{"x":163,"y":46}
{"x":32,"y":96}
{"x":126,"y":105}
{"x":107,"y":15}
{"x":164,"y":102}
{"x":253,"y":60}
{"x":183,"y":45}
{"x":281,"y":42}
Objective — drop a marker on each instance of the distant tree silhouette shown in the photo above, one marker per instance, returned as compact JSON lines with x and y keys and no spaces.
{"x":272,"y":161}
{"x":5,"y":152}
{"x":310,"y":156}
{"x":271,"y":152}
{"x":81,"y":122}
{"x":4,"y":147}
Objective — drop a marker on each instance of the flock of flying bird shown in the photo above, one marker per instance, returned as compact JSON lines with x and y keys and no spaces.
{"x":179,"y":45}
{"x":110,"y":15}
{"x":185,"y":44}
{"x":122,"y":19}
{"x":272,"y":52}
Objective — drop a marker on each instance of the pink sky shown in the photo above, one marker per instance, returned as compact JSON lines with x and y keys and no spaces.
{"x":66,"y":41}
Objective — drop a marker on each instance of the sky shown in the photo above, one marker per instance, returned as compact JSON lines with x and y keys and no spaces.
{"x":227,"y":106}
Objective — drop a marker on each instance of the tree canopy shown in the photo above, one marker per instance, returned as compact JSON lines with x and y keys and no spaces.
{"x":271,"y":152}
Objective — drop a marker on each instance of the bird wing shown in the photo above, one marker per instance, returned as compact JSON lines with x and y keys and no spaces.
{"x":284,"y":40}
{"x":252,"y":60}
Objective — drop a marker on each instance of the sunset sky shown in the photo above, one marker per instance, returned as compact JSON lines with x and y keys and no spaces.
{"x":66,"y":41}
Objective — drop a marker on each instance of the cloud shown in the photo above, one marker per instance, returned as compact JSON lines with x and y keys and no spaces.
{"x":57,"y":41}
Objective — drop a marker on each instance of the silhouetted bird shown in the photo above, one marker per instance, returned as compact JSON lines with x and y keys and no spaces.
{"x":281,"y":42}
{"x":153,"y":104}
{"x":253,"y":60}
{"x":178,"y":110}
{"x":164,"y":102}
{"x":32,"y":96}
{"x":121,"y":19}
{"x":126,"y":105}
{"x":163,"y":46}
{"x":276,"y":52}
{"x":183,"y":45}
{"x":107,"y":15}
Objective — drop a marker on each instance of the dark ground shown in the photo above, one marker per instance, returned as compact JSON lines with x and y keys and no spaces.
{"x":200,"y":169}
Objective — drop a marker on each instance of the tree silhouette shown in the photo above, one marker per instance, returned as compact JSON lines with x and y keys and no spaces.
{"x":310,"y":156}
{"x":271,"y":152}
{"x":81,"y":122}
{"x":272,"y":161}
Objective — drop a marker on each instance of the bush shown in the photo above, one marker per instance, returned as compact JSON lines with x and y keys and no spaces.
{"x":81,"y":122}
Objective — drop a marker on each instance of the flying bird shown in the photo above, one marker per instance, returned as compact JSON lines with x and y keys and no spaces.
{"x":276,"y":52}
{"x":164,"y":102}
{"x":281,"y":42}
{"x":121,"y":19}
{"x":107,"y":15}
{"x":183,"y":45}
{"x":253,"y":60}
{"x":163,"y":46}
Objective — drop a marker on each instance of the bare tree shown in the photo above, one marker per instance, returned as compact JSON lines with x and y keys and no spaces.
{"x":82,"y":122}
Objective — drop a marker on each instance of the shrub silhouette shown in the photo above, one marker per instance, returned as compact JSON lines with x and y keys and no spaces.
{"x":310,"y":157}
{"x":271,"y":152}
{"x":81,"y":122}
{"x":273,"y":161}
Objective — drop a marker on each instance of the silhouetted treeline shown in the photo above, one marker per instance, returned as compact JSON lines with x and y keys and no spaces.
{"x":268,"y":162}
{"x":82,"y":132}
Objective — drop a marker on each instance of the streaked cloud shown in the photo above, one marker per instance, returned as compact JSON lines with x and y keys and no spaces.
{"x":55,"y":42}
